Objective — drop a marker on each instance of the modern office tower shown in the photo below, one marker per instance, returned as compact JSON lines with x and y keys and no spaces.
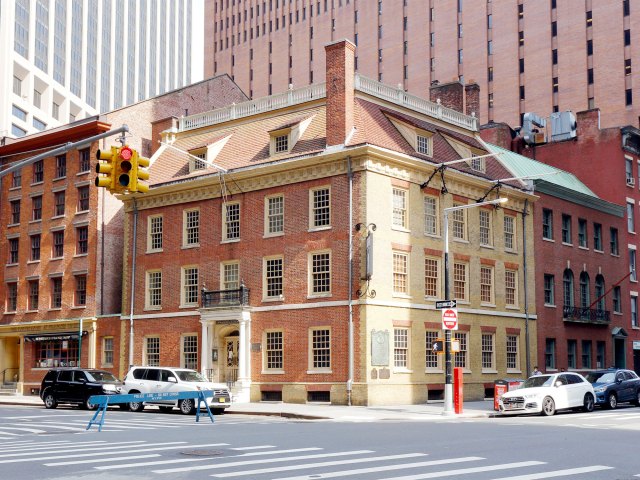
{"x":64,"y":60}
{"x":527,"y":55}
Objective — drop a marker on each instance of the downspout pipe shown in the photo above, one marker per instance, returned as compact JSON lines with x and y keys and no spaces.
{"x":350,"y":301}
{"x":525,"y":212}
{"x":133,"y":278}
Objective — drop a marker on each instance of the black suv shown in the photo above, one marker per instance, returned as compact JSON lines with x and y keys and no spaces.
{"x":76,"y":385}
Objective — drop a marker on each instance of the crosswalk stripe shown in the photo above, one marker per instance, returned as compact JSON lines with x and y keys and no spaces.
{"x":10,"y":435}
{"x":421,"y":476}
{"x":261,"y":461}
{"x":144,"y":449}
{"x":331,"y":464}
{"x":100,"y":460}
{"x":42,"y":446}
{"x":22,"y":429}
{"x":55,"y":425}
{"x":557,"y":473}
{"x":6,"y":452}
{"x":114,"y":447}
{"x":257,"y":447}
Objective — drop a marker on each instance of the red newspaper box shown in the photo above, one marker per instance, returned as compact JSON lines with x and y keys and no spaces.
{"x":499,"y":387}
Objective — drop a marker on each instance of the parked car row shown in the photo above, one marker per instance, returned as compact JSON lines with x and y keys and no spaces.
{"x":548,"y":393}
{"x":76,"y":385}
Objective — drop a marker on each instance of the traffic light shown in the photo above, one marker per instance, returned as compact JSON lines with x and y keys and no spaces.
{"x":123,"y":166}
{"x":106,"y":170}
{"x":140,"y":173}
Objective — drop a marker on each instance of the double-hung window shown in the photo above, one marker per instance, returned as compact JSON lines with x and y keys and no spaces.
{"x":189,"y":286}
{"x":401,"y":347}
{"x":154,"y":238}
{"x":154,"y":289}
{"x":488,"y":351}
{"x":273,"y":277}
{"x":320,"y":214}
{"x":191,"y":228}
{"x":400,"y":218}
{"x":320,"y":269}
{"x":231,"y":227}
{"x":430,"y":216}
{"x":547,"y":224}
{"x":486,"y":234}
{"x":400,"y":273}
{"x":320,"y":349}
{"x":274,"y":215}
{"x":274,"y":350}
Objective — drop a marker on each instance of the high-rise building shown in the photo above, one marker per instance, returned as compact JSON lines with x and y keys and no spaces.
{"x":66,"y":60}
{"x":526,"y":55}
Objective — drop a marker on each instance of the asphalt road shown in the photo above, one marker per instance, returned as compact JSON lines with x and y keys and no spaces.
{"x":42,"y":444}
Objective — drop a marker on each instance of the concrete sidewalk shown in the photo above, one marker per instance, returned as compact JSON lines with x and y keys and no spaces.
{"x":320,"y":411}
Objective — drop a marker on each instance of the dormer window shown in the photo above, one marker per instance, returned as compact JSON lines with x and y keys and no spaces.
{"x":285,"y":137}
{"x":478,"y":164}
{"x":198,"y":161}
{"x":281,"y":143}
{"x":424,"y":144}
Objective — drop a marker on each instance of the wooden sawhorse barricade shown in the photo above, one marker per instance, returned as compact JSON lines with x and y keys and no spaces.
{"x":103,"y":401}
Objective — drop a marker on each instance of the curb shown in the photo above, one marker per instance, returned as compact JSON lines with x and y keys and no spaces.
{"x":278,"y":414}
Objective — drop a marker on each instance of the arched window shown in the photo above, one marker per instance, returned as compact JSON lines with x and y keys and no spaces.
{"x":585,"y":300}
{"x":600,"y":292}
{"x":567,"y":287}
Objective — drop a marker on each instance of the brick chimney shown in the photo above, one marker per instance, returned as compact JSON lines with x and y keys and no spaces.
{"x":340,"y":61}
{"x":472,"y":99}
{"x":451,"y":95}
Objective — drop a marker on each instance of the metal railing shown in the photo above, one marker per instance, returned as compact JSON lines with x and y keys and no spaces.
{"x":225,"y":298}
{"x":585,"y":315}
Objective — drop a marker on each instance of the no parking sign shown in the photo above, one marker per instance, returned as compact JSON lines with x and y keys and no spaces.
{"x":450,"y":319}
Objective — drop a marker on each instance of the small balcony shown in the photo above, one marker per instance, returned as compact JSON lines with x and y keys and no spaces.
{"x":225,"y":298}
{"x":591,"y":316}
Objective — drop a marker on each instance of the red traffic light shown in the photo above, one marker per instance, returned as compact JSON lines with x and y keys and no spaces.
{"x":126,"y":153}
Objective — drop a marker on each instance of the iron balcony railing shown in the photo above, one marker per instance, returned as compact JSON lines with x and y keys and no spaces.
{"x":225,"y":298}
{"x":585,"y":315}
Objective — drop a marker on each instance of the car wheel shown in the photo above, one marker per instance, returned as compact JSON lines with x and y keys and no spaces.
{"x":87,"y":405}
{"x":589,"y":403}
{"x":50,"y":401}
{"x":187,"y":407}
{"x":612,"y":401}
{"x":136,"y":406}
{"x":548,"y":407}
{"x":165,"y":409}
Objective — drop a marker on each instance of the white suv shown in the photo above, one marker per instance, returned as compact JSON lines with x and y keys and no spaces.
{"x":169,"y":379}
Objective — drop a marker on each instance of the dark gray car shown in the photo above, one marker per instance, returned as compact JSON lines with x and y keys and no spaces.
{"x":615,"y":385}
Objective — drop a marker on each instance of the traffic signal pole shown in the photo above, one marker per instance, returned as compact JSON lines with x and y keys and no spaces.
{"x":64,"y":149}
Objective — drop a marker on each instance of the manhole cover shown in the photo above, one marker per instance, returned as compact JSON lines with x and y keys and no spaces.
{"x":203,"y":453}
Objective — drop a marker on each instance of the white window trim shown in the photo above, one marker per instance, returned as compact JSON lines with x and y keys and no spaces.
{"x":466,"y":368}
{"x":490,"y":227}
{"x":492,"y":301}
{"x":516,"y":290}
{"x":311,"y":369}
{"x":466,"y":282}
{"x":223,"y":280}
{"x":266,"y":298}
{"x":147,"y":290}
{"x":438,"y":278}
{"x":405,"y":192}
{"x":271,"y":371}
{"x":274,"y":135}
{"x":225,"y":232}
{"x":185,"y":214}
{"x":406,"y":294}
{"x":513,"y":249}
{"x":149,"y":234}
{"x":465,"y":224}
{"x":437,"y":215}
{"x":312,"y":227}
{"x":103,"y":360}
{"x":183,"y":362}
{"x":518,"y":368}
{"x":183,"y":303}
{"x":268,"y":234}
{"x":146,"y":352}
{"x":438,"y":368}
{"x":407,"y":368}
{"x":493,"y":368}
{"x":310,"y":293}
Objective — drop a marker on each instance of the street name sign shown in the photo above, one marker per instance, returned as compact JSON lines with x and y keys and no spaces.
{"x":450,"y":319}
{"x":440,"y":304}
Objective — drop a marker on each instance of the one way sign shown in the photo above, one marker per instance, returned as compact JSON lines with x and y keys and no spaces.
{"x":441,"y":304}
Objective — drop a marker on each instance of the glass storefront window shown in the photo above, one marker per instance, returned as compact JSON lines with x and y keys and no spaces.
{"x":56,"y":353}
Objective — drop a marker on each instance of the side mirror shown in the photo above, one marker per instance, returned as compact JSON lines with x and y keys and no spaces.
{"x":558,"y":383}
{"x":172,"y":380}
{"x":619,"y":380}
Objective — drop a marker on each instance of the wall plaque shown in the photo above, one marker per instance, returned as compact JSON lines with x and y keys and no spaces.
{"x":380,"y":348}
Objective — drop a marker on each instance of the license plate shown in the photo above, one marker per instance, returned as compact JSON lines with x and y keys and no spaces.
{"x":221,"y":400}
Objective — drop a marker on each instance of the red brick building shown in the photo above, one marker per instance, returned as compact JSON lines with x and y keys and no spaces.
{"x":292,"y":247}
{"x":63,"y":240}
{"x":526,"y":55}
{"x":606,"y":161}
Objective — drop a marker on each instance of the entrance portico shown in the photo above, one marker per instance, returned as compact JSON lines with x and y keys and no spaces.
{"x":226,"y":348}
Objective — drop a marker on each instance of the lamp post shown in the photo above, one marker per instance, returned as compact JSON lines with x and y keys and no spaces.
{"x":448,"y":379}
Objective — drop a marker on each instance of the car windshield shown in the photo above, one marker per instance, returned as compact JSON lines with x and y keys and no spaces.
{"x":101,"y":377}
{"x":538,"y":381}
{"x":190,"y":376}
{"x":599,"y":377}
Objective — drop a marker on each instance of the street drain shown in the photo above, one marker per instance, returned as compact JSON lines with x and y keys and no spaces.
{"x":203,"y":453}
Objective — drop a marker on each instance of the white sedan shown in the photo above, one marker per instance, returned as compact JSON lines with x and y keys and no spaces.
{"x":547,"y":394}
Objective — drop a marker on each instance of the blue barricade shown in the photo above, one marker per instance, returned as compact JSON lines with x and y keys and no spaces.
{"x":103,"y":401}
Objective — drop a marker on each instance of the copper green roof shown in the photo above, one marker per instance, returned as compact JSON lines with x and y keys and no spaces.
{"x":553,"y":181}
